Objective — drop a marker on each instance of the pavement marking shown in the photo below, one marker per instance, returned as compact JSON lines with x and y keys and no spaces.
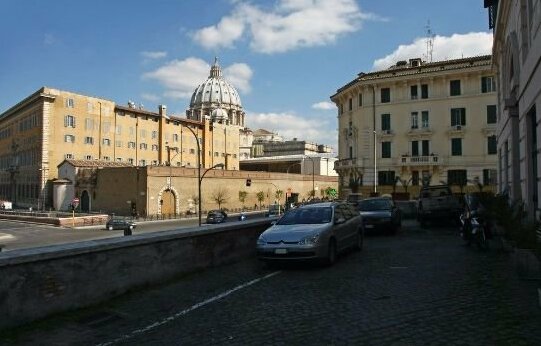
{"x":186,"y":311}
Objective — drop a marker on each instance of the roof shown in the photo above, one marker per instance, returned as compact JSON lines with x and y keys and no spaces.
{"x":95,"y":163}
{"x":424,"y":68}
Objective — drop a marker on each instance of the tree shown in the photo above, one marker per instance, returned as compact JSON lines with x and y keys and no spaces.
{"x":260,"y":197}
{"x":330,"y":192}
{"x":405,"y":183}
{"x":279,"y":194}
{"x":220,"y":196}
{"x":242,"y":197}
{"x":354,"y":182}
{"x":195,"y":200}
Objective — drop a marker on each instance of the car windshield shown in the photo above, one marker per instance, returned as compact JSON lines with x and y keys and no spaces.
{"x":375,"y":204}
{"x":305,"y":216}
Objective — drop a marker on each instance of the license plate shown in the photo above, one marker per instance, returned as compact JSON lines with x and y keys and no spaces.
{"x":368,"y":226}
{"x":280,"y":251}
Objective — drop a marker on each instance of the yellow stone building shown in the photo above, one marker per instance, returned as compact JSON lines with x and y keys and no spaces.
{"x":52,"y":125}
{"x":423,"y":122}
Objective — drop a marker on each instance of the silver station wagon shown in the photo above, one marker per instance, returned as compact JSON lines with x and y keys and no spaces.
{"x":312,"y":232}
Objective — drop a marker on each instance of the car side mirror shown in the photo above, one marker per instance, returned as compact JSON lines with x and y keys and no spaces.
{"x":339,"y":221}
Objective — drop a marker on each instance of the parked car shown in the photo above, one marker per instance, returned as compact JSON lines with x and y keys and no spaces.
{"x":6,"y":205}
{"x":380,"y":213}
{"x":120,"y":224}
{"x":437,"y":202}
{"x":274,"y":210}
{"x":216,"y":216}
{"x":312,"y":232}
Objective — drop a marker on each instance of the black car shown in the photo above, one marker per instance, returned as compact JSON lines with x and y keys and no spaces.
{"x":380,"y":213}
{"x":216,"y":216}
{"x":120,"y":224}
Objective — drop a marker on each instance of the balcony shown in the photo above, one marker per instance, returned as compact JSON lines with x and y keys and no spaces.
{"x":431,"y":160}
{"x":347,"y":163}
{"x":385,"y":134}
{"x":456,"y":129}
{"x":420,"y":132}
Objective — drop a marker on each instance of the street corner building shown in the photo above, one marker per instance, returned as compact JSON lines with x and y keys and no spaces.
{"x":431,"y":122}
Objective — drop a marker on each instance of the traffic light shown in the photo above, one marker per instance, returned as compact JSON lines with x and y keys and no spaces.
{"x":248,"y":182}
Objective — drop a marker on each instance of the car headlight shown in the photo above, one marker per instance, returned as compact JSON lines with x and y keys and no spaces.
{"x":309,"y":240}
{"x":261,"y":241}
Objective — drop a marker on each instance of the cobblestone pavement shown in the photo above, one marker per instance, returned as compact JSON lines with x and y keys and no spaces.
{"x":420,"y":287}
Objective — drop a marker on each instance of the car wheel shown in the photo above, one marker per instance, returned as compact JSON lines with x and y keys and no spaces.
{"x":331,"y":252}
{"x":110,"y":228}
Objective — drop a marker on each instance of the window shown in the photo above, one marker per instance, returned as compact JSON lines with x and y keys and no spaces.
{"x":70,"y":103}
{"x":414,"y":120}
{"x":234,"y":156}
{"x":456,"y":146}
{"x":489,"y":177}
{"x":216,"y":154}
{"x":89,"y":124}
{"x":491,"y":145}
{"x":89,"y":140}
{"x":69,"y":138}
{"x":118,"y":129}
{"x":107,"y":142}
{"x":341,"y":109}
{"x":458,"y":116}
{"x":360,"y":100}
{"x":413,"y":92}
{"x":491,"y":114}
{"x":385,"y":95}
{"x":175,"y":137}
{"x":106,"y":158}
{"x":425,"y":147}
{"x":457,"y":177}
{"x":130,"y":161}
{"x":69,"y":121}
{"x":386,"y":150}
{"x":154,"y":147}
{"x":143,"y":133}
{"x":488,"y":84}
{"x":106,"y":127}
{"x":142,"y":163}
{"x":118,"y":144}
{"x":132,"y":131}
{"x":69,"y":156}
{"x":414,"y":148}
{"x":424,"y":91}
{"x":350,"y":104}
{"x":143,"y":146}
{"x":385,"y":122}
{"x":131,"y":145}
{"x":424,"y":119}
{"x":386,"y":178}
{"x":455,"y":87}
{"x":350,"y":152}
{"x":118,"y":159}
{"x":88,"y":157}
{"x":155,"y":162}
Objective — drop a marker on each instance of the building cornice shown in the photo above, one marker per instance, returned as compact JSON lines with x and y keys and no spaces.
{"x":41,"y":93}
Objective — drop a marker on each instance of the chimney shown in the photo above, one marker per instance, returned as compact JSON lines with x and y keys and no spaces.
{"x":162,"y":109}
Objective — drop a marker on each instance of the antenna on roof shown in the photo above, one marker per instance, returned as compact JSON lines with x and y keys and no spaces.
{"x":429,"y":41}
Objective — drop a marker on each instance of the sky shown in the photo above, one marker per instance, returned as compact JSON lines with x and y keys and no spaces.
{"x":285,"y":57}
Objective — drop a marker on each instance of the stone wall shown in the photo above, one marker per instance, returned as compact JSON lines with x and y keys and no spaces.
{"x":38,"y":282}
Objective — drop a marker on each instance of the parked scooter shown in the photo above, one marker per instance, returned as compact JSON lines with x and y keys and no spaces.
{"x":474,"y":228}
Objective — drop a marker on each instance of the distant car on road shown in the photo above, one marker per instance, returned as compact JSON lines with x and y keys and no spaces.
{"x":6,"y":205}
{"x":312,"y":232}
{"x":437,"y":203}
{"x":216,"y":216}
{"x":380,"y":213}
{"x":122,"y":224}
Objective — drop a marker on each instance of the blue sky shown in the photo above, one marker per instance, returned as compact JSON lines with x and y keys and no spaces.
{"x":286,"y":57}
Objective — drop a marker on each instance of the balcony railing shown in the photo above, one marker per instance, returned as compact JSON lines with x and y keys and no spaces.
{"x":347,"y":163}
{"x":431,"y":160}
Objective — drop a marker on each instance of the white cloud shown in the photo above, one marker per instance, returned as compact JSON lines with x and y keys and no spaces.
{"x":289,"y":25}
{"x":150,"y":97}
{"x":445,"y":47}
{"x":324,"y":105}
{"x":153,"y":55}
{"x":223,"y":34}
{"x":181,"y":77}
{"x":290,"y":125}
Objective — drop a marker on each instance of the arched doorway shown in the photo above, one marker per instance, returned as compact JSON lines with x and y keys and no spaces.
{"x":168,"y":202}
{"x":85,"y":202}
